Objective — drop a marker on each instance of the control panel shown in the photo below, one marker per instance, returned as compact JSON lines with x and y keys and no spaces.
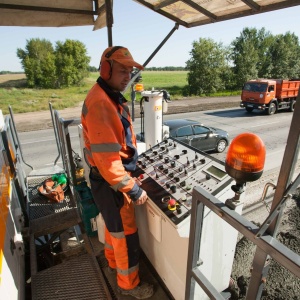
{"x":169,"y":171}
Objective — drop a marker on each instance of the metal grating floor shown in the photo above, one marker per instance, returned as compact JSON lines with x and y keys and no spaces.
{"x":79,"y":278}
{"x":40,"y":206}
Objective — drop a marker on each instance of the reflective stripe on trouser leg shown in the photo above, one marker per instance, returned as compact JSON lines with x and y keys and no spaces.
{"x":125,"y":249}
{"x":109,"y":250}
{"x":122,"y":243}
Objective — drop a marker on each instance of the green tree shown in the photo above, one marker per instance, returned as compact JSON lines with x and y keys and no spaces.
{"x":72,"y":62}
{"x":45,"y":67}
{"x":206,"y":67}
{"x":284,"y":54}
{"x":248,"y":54}
{"x":38,"y":63}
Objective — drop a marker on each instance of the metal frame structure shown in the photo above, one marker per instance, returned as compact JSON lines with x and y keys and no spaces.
{"x":65,"y":146}
{"x":264,"y":237}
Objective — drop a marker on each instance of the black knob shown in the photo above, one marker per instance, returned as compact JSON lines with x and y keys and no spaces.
{"x":173,"y":188}
{"x":176,"y":156}
{"x":208,"y":176}
{"x":202,"y":161}
{"x":184,"y":151}
{"x":166,"y":171}
{"x":177,"y":179}
{"x":167,"y":159}
{"x":173,"y":163}
{"x":160,"y":156}
{"x":178,"y":209}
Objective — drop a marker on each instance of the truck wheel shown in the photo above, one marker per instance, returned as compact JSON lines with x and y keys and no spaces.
{"x":221,"y":146}
{"x":249,"y":109}
{"x":292,"y":105}
{"x":271,"y":110}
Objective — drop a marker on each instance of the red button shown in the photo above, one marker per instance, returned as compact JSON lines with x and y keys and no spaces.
{"x":141,"y":176}
{"x":172,"y":202}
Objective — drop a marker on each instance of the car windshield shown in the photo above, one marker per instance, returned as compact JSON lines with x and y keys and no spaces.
{"x":255,"y":87}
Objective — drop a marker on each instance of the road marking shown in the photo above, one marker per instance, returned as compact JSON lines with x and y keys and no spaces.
{"x":45,"y":140}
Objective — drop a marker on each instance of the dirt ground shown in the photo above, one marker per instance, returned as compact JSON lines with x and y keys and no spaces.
{"x":281,"y":284}
{"x":42,"y":119}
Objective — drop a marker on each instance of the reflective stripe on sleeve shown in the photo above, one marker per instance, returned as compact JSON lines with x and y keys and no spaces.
{"x":122,"y":183}
{"x":112,"y":147}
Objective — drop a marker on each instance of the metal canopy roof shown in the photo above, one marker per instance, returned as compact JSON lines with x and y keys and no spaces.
{"x":54,"y":13}
{"x":191,"y":13}
{"x":188,"y":13}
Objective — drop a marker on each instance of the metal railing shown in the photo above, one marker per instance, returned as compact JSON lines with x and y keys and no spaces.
{"x":264,"y":237}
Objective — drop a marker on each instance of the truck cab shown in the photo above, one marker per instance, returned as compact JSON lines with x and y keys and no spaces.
{"x":258,"y":94}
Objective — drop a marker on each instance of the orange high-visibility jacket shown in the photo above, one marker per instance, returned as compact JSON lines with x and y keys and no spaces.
{"x":110,"y":141}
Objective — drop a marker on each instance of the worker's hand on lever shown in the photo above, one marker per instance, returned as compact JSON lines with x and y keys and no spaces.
{"x":143,"y":198}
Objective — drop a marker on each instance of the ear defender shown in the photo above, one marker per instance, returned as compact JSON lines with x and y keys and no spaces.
{"x":105,"y":69}
{"x":106,"y":65}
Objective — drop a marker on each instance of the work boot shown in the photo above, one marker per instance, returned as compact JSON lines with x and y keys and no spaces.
{"x":142,"y":291}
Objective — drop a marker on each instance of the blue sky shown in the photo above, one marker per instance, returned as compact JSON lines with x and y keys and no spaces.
{"x":141,"y":30}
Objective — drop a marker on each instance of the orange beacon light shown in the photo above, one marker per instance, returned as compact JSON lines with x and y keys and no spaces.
{"x":245,"y":158}
{"x":139,"y":87}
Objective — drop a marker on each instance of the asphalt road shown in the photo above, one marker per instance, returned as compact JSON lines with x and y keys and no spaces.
{"x":39,"y":147}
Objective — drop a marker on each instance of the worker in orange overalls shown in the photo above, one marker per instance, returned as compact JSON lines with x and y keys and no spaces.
{"x":110,"y":146}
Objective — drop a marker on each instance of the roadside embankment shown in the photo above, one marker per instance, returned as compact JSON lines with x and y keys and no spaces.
{"x":42,"y":119}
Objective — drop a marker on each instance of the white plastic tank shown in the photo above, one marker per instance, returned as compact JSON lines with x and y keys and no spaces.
{"x":1,"y":120}
{"x":153,"y":110}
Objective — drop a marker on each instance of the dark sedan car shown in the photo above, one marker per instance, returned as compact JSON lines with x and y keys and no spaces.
{"x":197,"y":135}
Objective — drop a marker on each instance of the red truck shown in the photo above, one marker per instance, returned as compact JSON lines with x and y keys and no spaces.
{"x":270,"y":95}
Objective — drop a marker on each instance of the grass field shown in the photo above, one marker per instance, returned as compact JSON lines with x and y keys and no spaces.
{"x":14,"y":93}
